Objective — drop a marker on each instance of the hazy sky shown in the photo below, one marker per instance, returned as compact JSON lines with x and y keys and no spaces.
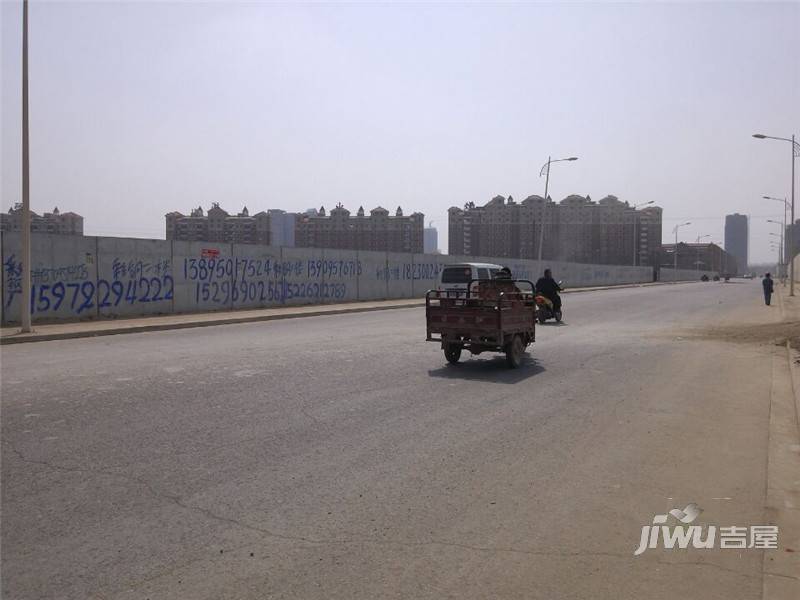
{"x":141,"y":108}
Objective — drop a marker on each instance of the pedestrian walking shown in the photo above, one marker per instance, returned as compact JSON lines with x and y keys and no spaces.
{"x":767,"y":284}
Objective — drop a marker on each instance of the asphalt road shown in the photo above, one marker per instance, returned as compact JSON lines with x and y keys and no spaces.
{"x":341,"y":457}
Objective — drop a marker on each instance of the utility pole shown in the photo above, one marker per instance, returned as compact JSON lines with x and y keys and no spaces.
{"x":25,"y":309}
{"x":675,"y":258}
{"x":675,"y":254}
{"x":795,"y":154}
{"x":697,"y":242}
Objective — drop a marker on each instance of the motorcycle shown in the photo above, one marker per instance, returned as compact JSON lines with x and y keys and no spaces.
{"x":544,"y":309}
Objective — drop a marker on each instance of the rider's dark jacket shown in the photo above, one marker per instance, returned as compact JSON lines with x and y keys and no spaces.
{"x":548,"y":287}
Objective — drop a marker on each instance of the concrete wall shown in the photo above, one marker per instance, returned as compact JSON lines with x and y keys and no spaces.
{"x":77,"y":277}
{"x":684,"y":275}
{"x":796,"y":262}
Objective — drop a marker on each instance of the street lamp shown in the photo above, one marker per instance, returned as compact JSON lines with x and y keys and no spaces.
{"x":635,"y":227}
{"x":775,"y":246}
{"x":699,"y":237}
{"x":785,"y":203}
{"x":675,"y":254}
{"x":545,"y":170}
{"x":795,"y":154}
{"x":780,"y":254}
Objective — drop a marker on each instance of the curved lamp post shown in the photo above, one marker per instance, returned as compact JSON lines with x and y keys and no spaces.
{"x":545,"y":170}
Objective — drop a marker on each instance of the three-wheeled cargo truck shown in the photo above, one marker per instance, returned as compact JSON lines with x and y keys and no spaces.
{"x":490,"y":315}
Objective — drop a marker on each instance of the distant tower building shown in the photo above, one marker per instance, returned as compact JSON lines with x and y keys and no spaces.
{"x":736,"y":239}
{"x":430,"y":239}
{"x":281,"y":228}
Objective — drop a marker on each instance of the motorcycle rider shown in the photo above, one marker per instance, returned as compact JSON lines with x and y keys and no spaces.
{"x":549,"y":288}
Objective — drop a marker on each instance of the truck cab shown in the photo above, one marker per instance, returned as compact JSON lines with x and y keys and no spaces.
{"x":456,"y":277}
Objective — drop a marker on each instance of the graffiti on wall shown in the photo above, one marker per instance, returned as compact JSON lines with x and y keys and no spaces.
{"x":51,"y":287}
{"x":267,"y":280}
{"x":70,"y":291}
{"x":136,"y":281}
{"x":408,"y":272}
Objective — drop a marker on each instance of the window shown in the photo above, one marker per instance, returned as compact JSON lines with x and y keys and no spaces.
{"x":456,"y":275}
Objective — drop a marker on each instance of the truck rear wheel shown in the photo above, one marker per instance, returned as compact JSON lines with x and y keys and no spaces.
{"x":452,"y":352}
{"x":514,"y":352}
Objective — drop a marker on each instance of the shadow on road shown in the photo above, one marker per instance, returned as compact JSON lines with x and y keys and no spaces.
{"x":492,"y":370}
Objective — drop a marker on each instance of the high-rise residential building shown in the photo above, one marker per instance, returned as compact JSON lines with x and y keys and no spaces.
{"x":577,"y":229}
{"x":736,"y":239}
{"x":67,"y":223}
{"x":379,"y":231}
{"x":430,"y":240}
{"x":219,"y":226}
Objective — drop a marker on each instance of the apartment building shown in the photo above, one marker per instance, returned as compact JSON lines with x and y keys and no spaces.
{"x":379,"y":231}
{"x":577,"y":229}
{"x":217,"y":225}
{"x":68,"y":223}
